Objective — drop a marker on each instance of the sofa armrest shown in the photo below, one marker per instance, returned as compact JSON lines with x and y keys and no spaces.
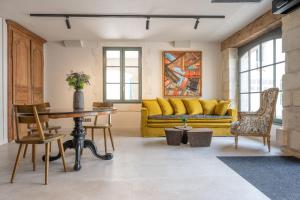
{"x":144,"y":116}
{"x":233,"y":113}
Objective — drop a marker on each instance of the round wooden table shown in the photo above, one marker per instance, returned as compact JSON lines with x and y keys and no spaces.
{"x":79,"y":142}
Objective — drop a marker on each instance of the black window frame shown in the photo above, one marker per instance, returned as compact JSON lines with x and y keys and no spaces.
{"x":273,"y":35}
{"x":122,"y":74}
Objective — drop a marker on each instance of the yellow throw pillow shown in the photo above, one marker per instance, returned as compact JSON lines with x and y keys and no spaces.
{"x":208,"y":106}
{"x":152,"y":107}
{"x":165,"y":106}
{"x":178,"y":106}
{"x":222,"y":100}
{"x":222,"y":107}
{"x":193,"y":106}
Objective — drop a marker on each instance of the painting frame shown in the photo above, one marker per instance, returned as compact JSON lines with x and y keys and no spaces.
{"x":192,"y":80}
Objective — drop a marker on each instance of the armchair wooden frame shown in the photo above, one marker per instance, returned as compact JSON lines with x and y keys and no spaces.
{"x":28,"y":114}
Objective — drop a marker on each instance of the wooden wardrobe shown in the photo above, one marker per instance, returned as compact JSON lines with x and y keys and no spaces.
{"x":25,"y":69}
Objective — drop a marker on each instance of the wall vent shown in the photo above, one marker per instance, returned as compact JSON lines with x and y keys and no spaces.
{"x":181,"y":44}
{"x":73,"y":43}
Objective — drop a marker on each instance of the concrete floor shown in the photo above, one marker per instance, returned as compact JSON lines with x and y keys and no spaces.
{"x":142,"y":169}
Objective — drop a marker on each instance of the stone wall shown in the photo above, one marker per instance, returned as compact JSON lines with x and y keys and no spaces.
{"x":229,"y":75}
{"x":291,"y":82}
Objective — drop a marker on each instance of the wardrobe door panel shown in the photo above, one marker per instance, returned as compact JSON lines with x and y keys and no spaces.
{"x":21,"y":73}
{"x":21,"y":68}
{"x":37,"y":68}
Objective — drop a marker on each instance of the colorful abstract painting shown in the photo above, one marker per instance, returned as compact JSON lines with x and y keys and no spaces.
{"x":182,"y":73}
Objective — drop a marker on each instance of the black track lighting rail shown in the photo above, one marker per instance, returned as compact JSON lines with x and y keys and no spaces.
{"x":129,"y":16}
{"x":147,"y":17}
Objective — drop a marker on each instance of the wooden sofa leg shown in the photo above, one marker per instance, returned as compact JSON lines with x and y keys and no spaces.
{"x":264,"y":139}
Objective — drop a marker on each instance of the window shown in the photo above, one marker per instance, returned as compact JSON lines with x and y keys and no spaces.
{"x":261,"y":66}
{"x":122,"y":74}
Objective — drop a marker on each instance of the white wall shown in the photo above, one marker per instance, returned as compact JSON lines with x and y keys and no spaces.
{"x":60,"y":60}
{"x":3,"y":82}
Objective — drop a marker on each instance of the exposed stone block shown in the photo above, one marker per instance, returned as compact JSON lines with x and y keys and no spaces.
{"x":290,"y":39}
{"x":291,"y":21}
{"x":296,"y":98}
{"x":291,"y":118}
{"x":294,"y":139}
{"x":293,"y":61}
{"x":286,"y":98}
{"x":291,"y":81}
{"x":281,"y":137}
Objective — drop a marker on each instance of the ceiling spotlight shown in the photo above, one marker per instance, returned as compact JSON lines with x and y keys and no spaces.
{"x":196,"y":24}
{"x":68,"y":22}
{"x":147,"y":23}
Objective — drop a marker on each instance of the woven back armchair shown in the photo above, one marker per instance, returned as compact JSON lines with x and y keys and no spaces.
{"x":257,"y":123}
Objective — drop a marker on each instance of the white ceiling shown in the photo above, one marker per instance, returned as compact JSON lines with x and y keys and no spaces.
{"x":53,"y":29}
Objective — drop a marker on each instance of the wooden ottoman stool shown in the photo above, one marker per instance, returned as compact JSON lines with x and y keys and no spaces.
{"x":174,"y":136}
{"x":200,"y":137}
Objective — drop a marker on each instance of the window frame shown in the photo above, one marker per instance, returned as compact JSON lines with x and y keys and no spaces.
{"x":273,"y":35}
{"x":122,"y":74}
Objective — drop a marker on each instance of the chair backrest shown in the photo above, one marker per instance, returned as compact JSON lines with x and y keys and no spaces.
{"x":103,"y":105}
{"x":268,"y":101}
{"x":28,"y":114}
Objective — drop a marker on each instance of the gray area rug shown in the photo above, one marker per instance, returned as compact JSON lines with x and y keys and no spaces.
{"x":278,"y":177}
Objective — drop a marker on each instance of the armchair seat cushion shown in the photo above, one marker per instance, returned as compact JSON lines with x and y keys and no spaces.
{"x":250,"y":126}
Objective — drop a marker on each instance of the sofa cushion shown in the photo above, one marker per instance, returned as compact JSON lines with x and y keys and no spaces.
{"x":222,"y":107}
{"x":152,"y":107}
{"x":194,"y":125}
{"x":208,"y":106}
{"x":189,"y":121}
{"x":178,"y":106}
{"x":193,"y":106}
{"x":164,"y":117}
{"x":165,"y":106}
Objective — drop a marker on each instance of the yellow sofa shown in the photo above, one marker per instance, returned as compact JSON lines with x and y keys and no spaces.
{"x":154,"y":125}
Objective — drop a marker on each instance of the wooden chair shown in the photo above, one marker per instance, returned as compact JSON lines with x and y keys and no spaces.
{"x":257,"y":123}
{"x":46,"y":127}
{"x":28,"y":114}
{"x":101,"y":126}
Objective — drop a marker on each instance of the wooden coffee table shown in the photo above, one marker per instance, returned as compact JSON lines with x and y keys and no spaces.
{"x":185,"y":129}
{"x":200,"y":137}
{"x":197,"y":137}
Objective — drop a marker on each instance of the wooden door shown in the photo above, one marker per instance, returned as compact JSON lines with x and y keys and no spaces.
{"x":21,"y":72}
{"x":37,"y":71}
